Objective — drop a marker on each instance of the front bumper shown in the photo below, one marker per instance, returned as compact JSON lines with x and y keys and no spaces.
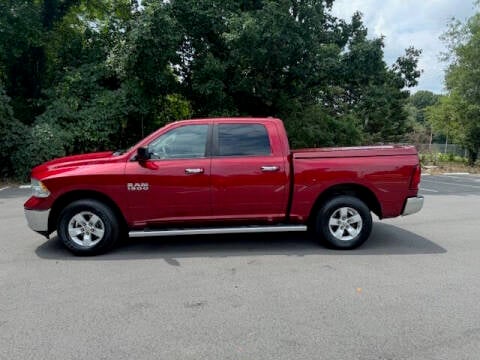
{"x":38,"y":220}
{"x":413,"y":205}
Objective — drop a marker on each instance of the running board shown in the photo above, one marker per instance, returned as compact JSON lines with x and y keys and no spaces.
{"x":219,"y":230}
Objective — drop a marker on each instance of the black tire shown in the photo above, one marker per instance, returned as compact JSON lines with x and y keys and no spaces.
{"x":350,"y":232}
{"x":106,"y":224}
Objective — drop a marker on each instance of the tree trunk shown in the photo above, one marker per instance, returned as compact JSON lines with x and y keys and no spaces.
{"x":472,"y":156}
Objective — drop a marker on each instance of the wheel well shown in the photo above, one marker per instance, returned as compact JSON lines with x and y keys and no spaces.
{"x":359,"y":191}
{"x":69,"y":197}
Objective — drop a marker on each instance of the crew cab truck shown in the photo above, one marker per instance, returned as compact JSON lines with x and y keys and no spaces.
{"x":226,"y":175}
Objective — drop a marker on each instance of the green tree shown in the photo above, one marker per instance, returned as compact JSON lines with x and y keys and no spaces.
{"x":421,"y":100}
{"x":102,"y":74}
{"x":39,"y":39}
{"x":422,"y":132}
{"x":445,"y":117}
{"x":280,"y":58}
{"x":462,"y":105}
{"x":12,"y":134}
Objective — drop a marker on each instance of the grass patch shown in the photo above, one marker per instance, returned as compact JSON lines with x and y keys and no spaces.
{"x":438,"y":163}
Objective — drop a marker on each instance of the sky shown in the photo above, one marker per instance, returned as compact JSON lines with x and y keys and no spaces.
{"x":410,"y":22}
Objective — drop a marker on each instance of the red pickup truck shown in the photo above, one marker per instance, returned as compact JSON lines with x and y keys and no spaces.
{"x":227,"y":175}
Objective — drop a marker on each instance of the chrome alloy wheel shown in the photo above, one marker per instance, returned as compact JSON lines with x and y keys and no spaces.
{"x":345,"y":223}
{"x":86,"y":229}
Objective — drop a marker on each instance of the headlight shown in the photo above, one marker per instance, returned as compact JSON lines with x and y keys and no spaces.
{"x":39,"y":189}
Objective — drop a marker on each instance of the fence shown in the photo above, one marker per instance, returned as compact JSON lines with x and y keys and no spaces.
{"x":453,"y":149}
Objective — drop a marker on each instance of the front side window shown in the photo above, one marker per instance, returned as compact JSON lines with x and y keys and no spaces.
{"x":243,"y":140}
{"x":184,"y":142}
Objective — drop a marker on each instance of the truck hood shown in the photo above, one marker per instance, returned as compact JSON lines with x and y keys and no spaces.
{"x":75,"y":161}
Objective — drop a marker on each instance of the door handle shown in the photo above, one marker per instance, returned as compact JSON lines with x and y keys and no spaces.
{"x":270,"y":168}
{"x":192,"y":171}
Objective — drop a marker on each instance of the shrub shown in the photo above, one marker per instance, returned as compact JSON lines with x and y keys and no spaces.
{"x":12,"y":134}
{"x":42,"y":142}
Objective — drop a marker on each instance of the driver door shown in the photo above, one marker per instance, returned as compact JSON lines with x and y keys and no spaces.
{"x":175,"y":184}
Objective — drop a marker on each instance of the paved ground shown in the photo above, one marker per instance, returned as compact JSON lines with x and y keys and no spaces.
{"x":450,"y":185}
{"x":411,"y":292}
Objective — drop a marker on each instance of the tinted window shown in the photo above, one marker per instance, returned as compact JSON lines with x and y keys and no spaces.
{"x":181,"y":143}
{"x":242,"y":139}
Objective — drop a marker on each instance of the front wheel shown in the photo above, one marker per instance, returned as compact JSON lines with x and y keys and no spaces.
{"x":343,"y":222}
{"x":88,"y":227}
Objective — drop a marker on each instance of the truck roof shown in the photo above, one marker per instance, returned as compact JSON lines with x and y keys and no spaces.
{"x":232,"y":119}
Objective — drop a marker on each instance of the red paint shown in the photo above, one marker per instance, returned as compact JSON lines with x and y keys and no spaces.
{"x":172,"y":194}
{"x":232,"y":189}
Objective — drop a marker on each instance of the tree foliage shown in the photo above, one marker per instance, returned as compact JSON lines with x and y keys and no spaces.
{"x":102,"y":74}
{"x":421,"y":130}
{"x":12,"y":134}
{"x":458,"y":112}
{"x":421,"y":100}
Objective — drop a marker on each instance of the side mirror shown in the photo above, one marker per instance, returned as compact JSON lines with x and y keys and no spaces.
{"x":143,"y":154}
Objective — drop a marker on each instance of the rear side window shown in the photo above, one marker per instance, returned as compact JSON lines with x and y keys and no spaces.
{"x":243,"y":140}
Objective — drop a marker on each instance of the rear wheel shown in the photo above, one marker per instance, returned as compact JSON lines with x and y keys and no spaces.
{"x":88,"y":227}
{"x":343,"y":222}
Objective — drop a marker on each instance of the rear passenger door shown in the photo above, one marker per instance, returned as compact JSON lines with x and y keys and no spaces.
{"x":248,"y":176}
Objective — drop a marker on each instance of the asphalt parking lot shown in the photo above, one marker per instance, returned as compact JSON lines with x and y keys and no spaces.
{"x":455,"y":184}
{"x":411,"y":292}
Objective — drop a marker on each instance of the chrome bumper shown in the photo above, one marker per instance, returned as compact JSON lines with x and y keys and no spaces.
{"x":37,"y":220}
{"x":413,"y":205}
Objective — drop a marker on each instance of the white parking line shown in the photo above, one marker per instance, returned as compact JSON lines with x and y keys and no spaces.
{"x":454,"y":177}
{"x":456,"y":173}
{"x":431,"y":190}
{"x":4,"y":188}
{"x":24,"y":186}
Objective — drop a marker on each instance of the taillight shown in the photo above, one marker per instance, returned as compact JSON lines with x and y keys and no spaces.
{"x":416,"y":177}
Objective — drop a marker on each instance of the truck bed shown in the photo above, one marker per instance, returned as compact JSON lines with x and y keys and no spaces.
{"x":358,"y":151}
{"x":386,"y":172}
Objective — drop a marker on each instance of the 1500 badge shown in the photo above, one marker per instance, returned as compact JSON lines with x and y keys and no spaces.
{"x":137,"y":186}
